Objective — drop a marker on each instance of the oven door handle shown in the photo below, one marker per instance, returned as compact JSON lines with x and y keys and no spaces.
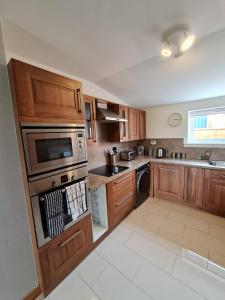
{"x":71,"y":238}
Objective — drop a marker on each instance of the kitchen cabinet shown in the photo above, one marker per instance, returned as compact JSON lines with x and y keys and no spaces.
{"x":168,"y":181}
{"x":42,"y":96}
{"x":61,"y":255}
{"x":90,"y":116}
{"x":214,"y":191}
{"x":120,"y":197}
{"x":133,"y":124}
{"x":193,"y":189}
{"x":142,"y":125}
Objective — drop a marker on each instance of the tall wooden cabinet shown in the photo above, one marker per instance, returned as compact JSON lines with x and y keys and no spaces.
{"x":141,"y":125}
{"x":43,"y":96}
{"x":214,"y":189}
{"x":169,"y":182}
{"x":133,"y":124}
{"x":193,"y":188}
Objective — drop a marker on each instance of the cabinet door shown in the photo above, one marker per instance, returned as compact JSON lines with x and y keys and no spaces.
{"x":90,"y":113}
{"x":120,"y":197}
{"x":43,"y":96}
{"x":133,"y":124}
{"x":169,"y":182}
{"x":194,"y":179}
{"x":124,"y":136}
{"x":215,"y":191}
{"x":142,"y":125}
{"x":64,"y":253}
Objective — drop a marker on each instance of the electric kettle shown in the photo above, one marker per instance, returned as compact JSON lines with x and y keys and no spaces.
{"x":161,"y":153}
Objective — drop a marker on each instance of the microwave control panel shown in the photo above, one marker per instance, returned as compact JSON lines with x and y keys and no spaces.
{"x":81,"y":145}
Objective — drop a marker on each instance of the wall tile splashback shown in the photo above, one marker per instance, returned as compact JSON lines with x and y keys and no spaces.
{"x":177,"y":145}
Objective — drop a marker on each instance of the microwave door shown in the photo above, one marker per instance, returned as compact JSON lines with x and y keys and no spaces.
{"x":50,"y":150}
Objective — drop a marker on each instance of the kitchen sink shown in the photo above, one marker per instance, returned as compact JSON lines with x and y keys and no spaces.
{"x":218,"y":163}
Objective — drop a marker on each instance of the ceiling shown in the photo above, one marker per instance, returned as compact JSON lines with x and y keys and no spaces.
{"x":116,"y":44}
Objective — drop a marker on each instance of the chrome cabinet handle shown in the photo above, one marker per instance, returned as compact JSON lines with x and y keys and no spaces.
{"x":72,"y":237}
{"x":122,"y":201}
{"x":121,"y":180}
{"x":79,"y":101}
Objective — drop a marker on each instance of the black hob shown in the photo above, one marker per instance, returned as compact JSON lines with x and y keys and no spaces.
{"x":108,"y":170}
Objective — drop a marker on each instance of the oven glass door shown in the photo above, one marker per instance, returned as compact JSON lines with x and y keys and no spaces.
{"x":52,"y":150}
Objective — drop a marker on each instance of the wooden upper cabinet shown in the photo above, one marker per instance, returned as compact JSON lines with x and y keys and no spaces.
{"x":169,"y":182}
{"x":90,"y":116}
{"x":133,"y":124}
{"x":124,"y":130}
{"x":214,"y":189}
{"x":142,"y":125}
{"x":43,"y":96}
{"x":193,"y":193}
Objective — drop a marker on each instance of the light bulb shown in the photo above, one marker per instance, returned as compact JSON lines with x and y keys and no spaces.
{"x":166,"y":52}
{"x":188,"y":42}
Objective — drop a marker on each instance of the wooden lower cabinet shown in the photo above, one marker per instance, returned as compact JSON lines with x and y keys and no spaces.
{"x":121,"y":198}
{"x":214,"y":189}
{"x":193,"y":188}
{"x":168,"y":182}
{"x":60,"y":256}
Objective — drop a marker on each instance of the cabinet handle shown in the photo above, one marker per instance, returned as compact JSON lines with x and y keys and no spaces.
{"x":122,"y":201}
{"x":79,"y":101}
{"x":71,"y":238}
{"x":121,"y":180}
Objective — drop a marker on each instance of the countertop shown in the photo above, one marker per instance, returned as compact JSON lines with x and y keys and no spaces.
{"x":96,"y":180}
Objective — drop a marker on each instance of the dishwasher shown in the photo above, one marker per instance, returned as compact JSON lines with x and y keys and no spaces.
{"x":142,"y":184}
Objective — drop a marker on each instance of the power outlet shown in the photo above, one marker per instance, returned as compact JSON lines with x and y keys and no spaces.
{"x":153,"y":142}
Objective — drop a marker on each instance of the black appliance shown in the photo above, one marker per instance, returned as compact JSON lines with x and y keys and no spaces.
{"x":142,"y":184}
{"x":127,"y":155}
{"x":108,"y":170}
{"x":160,"y":153}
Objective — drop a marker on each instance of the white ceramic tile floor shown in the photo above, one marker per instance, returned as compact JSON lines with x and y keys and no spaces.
{"x":151,"y":255}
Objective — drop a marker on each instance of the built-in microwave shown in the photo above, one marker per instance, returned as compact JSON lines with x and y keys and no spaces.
{"x":49,"y":147}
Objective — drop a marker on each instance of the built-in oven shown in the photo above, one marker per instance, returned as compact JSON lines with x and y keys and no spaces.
{"x":53,"y":182}
{"x":49,"y":147}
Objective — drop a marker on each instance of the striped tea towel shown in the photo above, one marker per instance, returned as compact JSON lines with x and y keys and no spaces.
{"x":76,"y":199}
{"x":53,"y":206}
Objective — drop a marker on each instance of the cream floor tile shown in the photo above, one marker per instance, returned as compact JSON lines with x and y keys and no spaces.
{"x":217,"y":258}
{"x":162,"y":286}
{"x":112,"y":285}
{"x":212,"y":219}
{"x":200,"y":280}
{"x":174,"y":206}
{"x":218,"y":231}
{"x":178,"y":244}
{"x":189,"y":221}
{"x":154,"y":253}
{"x":125,"y":260}
{"x":91,"y":268}
{"x":166,"y":224}
{"x":121,"y":233}
{"x":139,"y":213}
{"x":156,"y":209}
{"x":73,"y":287}
{"x":205,"y":240}
{"x":141,"y":227}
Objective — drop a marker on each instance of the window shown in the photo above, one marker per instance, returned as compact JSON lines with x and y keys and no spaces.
{"x":206,"y":126}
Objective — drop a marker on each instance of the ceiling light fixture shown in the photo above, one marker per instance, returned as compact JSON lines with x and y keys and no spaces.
{"x":176,"y":41}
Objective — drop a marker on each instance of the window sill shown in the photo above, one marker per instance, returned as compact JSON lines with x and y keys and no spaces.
{"x":204,"y":145}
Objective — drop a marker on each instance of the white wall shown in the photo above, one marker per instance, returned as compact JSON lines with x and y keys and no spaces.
{"x":17,"y":267}
{"x":157,"y":117}
{"x":22,"y":45}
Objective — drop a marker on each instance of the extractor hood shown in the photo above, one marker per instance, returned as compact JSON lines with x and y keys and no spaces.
{"x":106,"y":115}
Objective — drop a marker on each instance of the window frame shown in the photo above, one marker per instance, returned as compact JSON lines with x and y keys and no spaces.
{"x":203,"y":143}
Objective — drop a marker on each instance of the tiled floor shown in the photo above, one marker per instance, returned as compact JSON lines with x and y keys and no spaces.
{"x":161,"y":251}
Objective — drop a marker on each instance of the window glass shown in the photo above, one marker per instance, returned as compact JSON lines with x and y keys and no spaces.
{"x":207,"y":126}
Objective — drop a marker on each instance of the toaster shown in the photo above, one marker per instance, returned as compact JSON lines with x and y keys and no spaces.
{"x":127,"y":155}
